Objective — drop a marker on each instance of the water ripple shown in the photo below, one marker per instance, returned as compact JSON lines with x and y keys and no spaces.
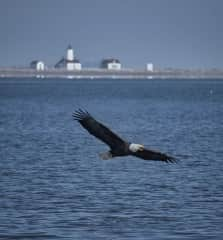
{"x":54,"y":186}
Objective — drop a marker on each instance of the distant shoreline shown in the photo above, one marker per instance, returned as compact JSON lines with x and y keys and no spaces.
{"x":104,"y":73}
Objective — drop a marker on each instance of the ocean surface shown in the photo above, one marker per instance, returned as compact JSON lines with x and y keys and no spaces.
{"x":54,"y":186}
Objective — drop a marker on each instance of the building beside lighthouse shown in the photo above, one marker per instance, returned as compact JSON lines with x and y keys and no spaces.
{"x":149,"y":67}
{"x":69,"y":62}
{"x":111,"y":64}
{"x":37,"y":65}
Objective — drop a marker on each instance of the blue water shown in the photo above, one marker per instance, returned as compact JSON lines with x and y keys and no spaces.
{"x":54,"y":186}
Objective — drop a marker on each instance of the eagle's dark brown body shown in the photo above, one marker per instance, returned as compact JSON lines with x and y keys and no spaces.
{"x":118,"y":146}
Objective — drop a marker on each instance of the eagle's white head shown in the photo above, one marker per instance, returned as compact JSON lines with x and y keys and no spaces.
{"x":133,"y":147}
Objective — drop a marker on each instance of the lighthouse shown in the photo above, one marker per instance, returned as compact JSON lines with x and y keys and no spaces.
{"x":70,"y":54}
{"x":69,"y":62}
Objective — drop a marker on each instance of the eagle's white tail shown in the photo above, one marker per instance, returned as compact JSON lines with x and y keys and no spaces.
{"x":105,"y":155}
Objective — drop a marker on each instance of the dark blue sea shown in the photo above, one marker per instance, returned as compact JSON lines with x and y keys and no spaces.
{"x":53,"y":184}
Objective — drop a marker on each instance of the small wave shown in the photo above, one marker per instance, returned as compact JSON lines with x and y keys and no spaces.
{"x":27,"y":236}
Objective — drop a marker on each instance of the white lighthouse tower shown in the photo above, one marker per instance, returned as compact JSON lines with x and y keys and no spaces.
{"x":70,"y":54}
{"x":69,"y":62}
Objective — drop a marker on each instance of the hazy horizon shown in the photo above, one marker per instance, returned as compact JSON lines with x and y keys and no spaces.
{"x":172,"y":33}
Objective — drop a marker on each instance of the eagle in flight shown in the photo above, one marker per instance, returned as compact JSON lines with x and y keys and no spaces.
{"x":118,"y":146}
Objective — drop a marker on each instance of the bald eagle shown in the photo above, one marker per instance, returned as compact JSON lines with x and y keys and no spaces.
{"x":118,"y":146}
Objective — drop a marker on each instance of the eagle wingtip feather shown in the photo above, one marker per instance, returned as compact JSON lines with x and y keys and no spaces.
{"x":171,"y":160}
{"x":80,"y":115}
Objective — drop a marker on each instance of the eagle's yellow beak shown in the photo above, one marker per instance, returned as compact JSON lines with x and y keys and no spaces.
{"x":141,"y":148}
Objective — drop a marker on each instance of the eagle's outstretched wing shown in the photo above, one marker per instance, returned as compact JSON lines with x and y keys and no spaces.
{"x":147,"y":154}
{"x":97,"y":129}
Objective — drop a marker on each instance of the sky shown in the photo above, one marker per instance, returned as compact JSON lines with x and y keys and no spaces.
{"x":168,"y":33}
